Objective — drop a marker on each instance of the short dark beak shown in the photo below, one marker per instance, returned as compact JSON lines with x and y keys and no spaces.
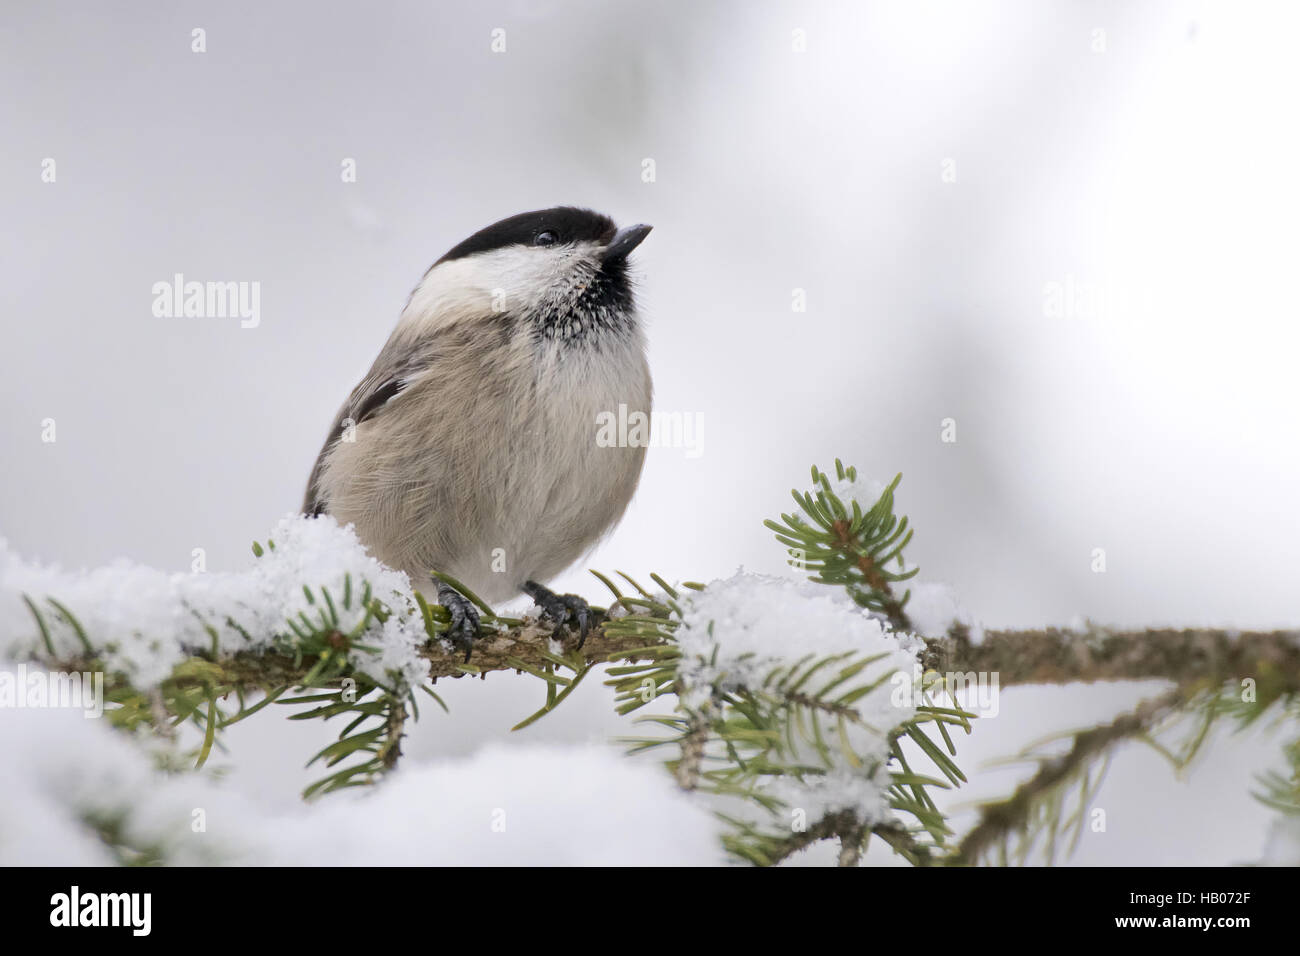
{"x":624,"y":241}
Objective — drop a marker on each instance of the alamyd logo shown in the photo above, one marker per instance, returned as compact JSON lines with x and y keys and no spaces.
{"x":40,"y":689}
{"x":658,"y":429}
{"x":103,"y":909}
{"x":983,"y":686}
{"x":208,"y":300}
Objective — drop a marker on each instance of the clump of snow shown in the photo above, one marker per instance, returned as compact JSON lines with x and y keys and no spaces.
{"x":540,"y":806}
{"x":933,"y":608}
{"x":863,"y":793}
{"x":143,"y":621}
{"x":738,"y":630}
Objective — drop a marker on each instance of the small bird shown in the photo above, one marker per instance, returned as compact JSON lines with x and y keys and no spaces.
{"x":471,"y":446}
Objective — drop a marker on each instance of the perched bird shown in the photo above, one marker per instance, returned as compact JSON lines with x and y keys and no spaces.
{"x":471,"y":446}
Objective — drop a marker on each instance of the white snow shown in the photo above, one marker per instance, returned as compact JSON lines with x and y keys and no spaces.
{"x":933,"y":608}
{"x":547,"y":805}
{"x":865,"y":491}
{"x":759,"y":621}
{"x":557,"y":805}
{"x":738,"y":630}
{"x":144,"y":621}
{"x":815,"y":797}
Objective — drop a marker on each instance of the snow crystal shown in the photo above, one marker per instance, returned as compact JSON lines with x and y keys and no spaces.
{"x":143,"y":621}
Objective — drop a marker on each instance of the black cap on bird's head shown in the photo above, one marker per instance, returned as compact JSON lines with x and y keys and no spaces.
{"x":558,"y":226}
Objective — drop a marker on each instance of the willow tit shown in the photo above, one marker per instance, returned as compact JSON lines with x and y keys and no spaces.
{"x":470,"y":447}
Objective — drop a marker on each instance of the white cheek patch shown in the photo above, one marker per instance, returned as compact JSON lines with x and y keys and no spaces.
{"x":514,"y":279}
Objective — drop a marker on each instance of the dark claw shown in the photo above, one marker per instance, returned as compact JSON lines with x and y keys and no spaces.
{"x":464,"y":618}
{"x":561,"y":609}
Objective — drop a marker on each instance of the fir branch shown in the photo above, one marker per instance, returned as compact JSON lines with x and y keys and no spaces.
{"x":852,"y":544}
{"x":851,"y":846}
{"x":1049,"y":656}
{"x":1057,"y":656}
{"x":694,"y":745}
{"x":1000,"y":820}
{"x":852,"y":836}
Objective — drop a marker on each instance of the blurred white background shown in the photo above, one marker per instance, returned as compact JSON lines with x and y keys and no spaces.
{"x":1070,"y":227}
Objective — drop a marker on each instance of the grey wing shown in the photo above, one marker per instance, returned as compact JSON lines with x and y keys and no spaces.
{"x":384,"y":382}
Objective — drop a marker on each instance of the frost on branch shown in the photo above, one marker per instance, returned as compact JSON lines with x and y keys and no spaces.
{"x":142,"y":622}
{"x":314,"y":611}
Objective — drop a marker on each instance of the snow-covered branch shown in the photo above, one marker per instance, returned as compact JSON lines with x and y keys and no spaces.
{"x":796,"y":710}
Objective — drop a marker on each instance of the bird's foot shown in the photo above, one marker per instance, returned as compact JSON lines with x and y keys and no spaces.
{"x":464,"y":618}
{"x":562,"y":609}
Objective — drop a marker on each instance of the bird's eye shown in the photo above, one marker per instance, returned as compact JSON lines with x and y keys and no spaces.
{"x":546,"y":238}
